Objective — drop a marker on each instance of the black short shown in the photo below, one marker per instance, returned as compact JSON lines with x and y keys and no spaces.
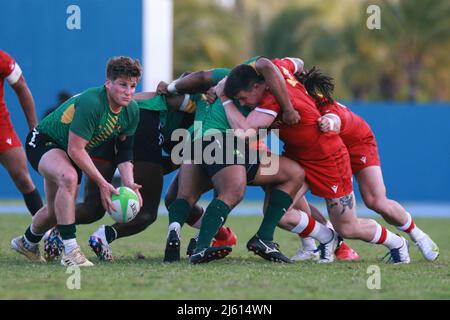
{"x":106,"y":152}
{"x":147,"y":141}
{"x":238,"y":154}
{"x":148,"y":138}
{"x":37,"y":144}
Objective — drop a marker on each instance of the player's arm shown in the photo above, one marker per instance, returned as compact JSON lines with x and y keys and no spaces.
{"x":77,"y":152}
{"x":144,"y":95}
{"x":195,"y":82}
{"x":330,"y":122}
{"x":124,"y":157}
{"x":277,"y":85}
{"x":25,"y":98}
{"x":298,"y":65}
{"x":247,"y":126}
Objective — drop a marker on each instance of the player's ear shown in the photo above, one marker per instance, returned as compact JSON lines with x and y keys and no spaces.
{"x":108,"y":83}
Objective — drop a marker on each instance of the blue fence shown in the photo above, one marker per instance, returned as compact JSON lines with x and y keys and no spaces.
{"x":414,"y":140}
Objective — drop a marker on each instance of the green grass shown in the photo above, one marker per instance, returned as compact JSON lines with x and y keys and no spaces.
{"x":240,"y":276}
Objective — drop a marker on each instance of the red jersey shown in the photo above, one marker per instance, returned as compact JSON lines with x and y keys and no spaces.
{"x":10,"y":71}
{"x":323,"y":156}
{"x":303,"y":140}
{"x":7,"y":71}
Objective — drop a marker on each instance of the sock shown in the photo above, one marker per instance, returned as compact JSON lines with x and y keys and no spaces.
{"x":110,"y":234}
{"x":386,"y":238}
{"x":179,"y":211}
{"x":197,"y":224}
{"x":410,"y":228}
{"x":279,"y":202}
{"x":31,"y":238}
{"x":308,"y":227}
{"x":33,"y":201}
{"x":308,"y":244}
{"x":216,"y":213}
{"x":70,"y":245}
{"x":68,"y":235}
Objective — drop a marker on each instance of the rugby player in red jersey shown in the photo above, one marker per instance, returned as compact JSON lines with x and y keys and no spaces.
{"x":12,"y":156}
{"x":323,"y":156}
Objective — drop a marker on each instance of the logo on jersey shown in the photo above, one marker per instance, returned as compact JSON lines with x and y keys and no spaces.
{"x":363,"y":159}
{"x":9,"y":141}
{"x":334,"y":188}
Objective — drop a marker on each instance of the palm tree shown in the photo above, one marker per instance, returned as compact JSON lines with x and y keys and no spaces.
{"x":412,"y":30}
{"x":206,"y":35}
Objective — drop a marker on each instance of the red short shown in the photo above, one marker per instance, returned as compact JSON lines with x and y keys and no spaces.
{"x":364,"y":154}
{"x":330,"y":177}
{"x":8,"y":137}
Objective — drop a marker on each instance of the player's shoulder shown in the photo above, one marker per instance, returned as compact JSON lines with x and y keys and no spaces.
{"x":91,"y":96}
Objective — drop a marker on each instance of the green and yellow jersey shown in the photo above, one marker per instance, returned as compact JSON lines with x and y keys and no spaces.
{"x":89,"y":116}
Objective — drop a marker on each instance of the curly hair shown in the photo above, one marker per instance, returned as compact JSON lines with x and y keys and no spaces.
{"x":123,"y":67}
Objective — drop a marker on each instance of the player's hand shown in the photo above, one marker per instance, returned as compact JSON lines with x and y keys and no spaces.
{"x":106,"y":191}
{"x":290,"y":116}
{"x":276,"y":124}
{"x":135,"y":187}
{"x":324,"y":124}
{"x":162,"y":88}
{"x":219,"y":89}
{"x":211,"y":95}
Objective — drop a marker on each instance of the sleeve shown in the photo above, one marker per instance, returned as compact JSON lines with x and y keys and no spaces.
{"x":86,"y":117}
{"x":269,"y":105}
{"x":133,"y":120}
{"x":289,"y":64}
{"x":9,"y":69}
{"x":218,"y":74}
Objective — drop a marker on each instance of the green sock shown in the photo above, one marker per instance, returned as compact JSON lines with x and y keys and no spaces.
{"x":179,"y":211}
{"x":216,"y":213}
{"x":279,"y":202}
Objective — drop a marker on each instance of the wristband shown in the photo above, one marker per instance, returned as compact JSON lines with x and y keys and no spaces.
{"x":171,"y":87}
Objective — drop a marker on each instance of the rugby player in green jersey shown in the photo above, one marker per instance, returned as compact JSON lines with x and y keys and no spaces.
{"x":58,"y":149}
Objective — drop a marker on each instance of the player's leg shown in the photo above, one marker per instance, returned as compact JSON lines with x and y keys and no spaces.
{"x":192,"y":182}
{"x":342,"y":213}
{"x":373,"y":192}
{"x":14,"y":161}
{"x":229,"y":182}
{"x":56,"y":166}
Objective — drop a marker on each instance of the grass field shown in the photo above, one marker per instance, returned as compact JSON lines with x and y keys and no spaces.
{"x":139,"y":273}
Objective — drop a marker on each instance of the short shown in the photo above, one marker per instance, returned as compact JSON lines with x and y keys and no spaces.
{"x":148,"y":138}
{"x":147,"y":141}
{"x":8,"y":137}
{"x":331,"y":177}
{"x":364,"y":154}
{"x":240,"y":155}
{"x":106,"y":152}
{"x":37,"y":144}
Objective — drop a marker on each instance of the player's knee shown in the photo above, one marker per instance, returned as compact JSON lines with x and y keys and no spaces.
{"x":376,"y":203}
{"x":68,"y":181}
